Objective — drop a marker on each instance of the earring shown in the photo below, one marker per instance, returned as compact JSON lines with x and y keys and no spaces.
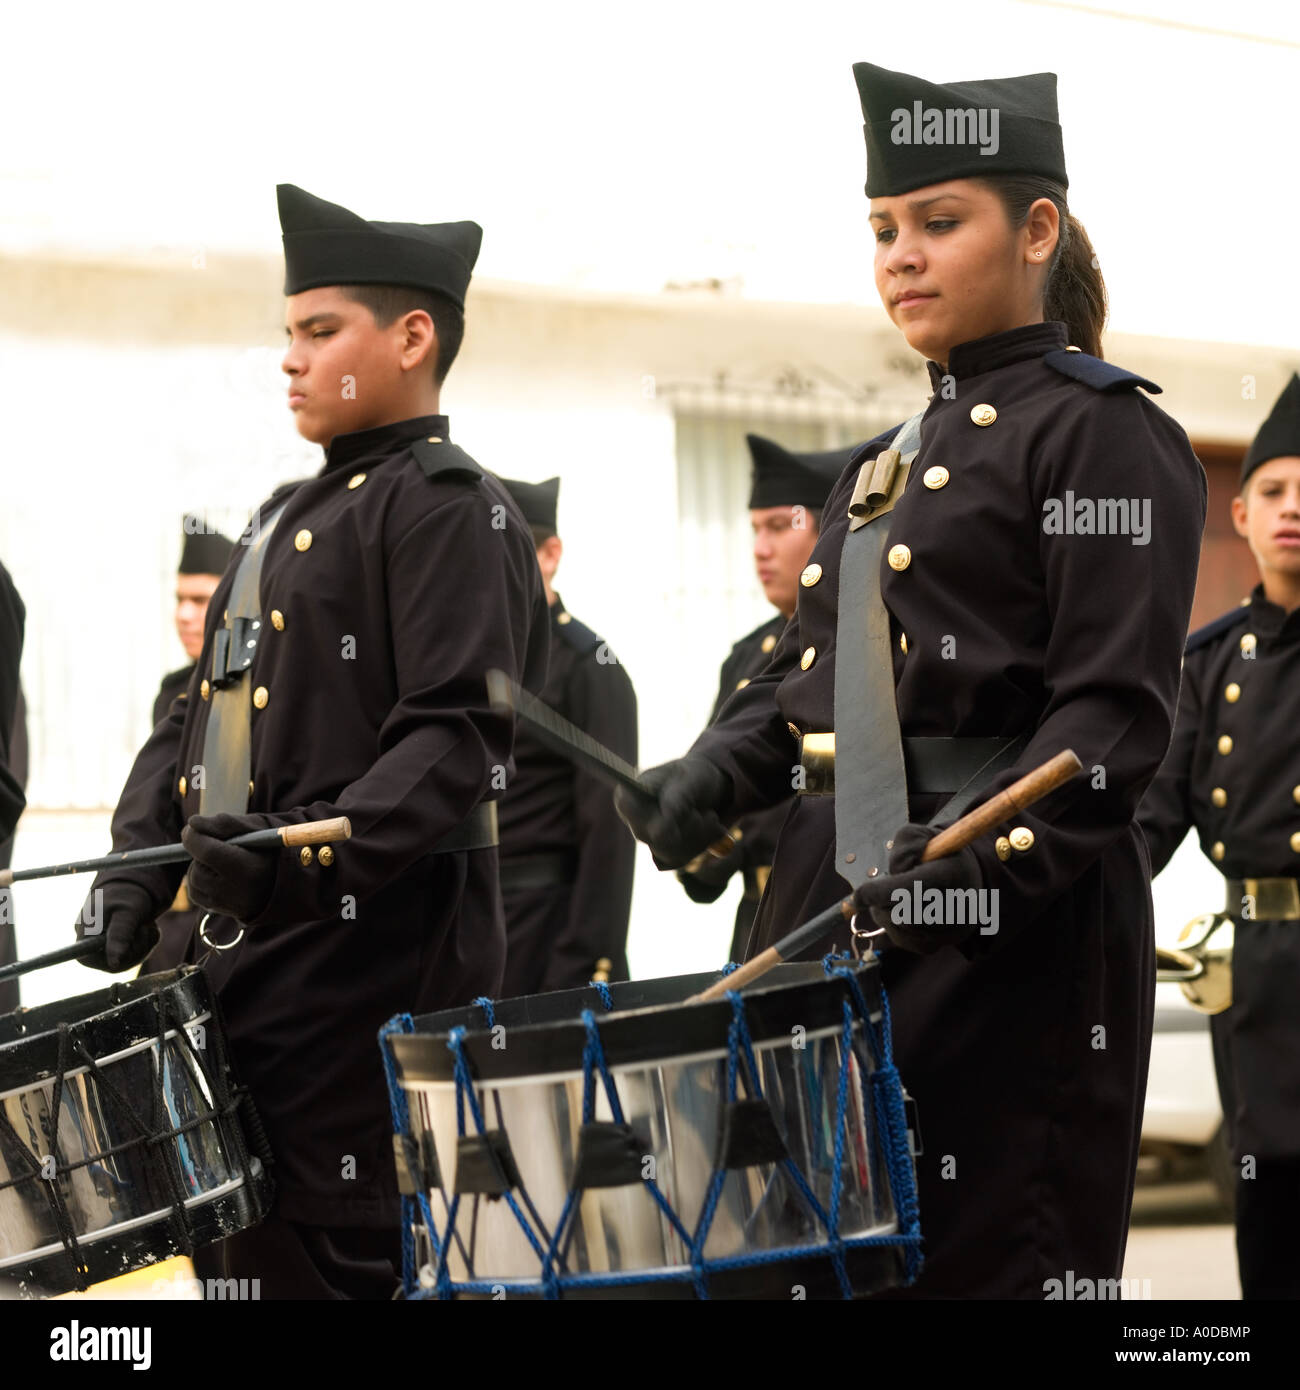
{"x":1038,"y":253}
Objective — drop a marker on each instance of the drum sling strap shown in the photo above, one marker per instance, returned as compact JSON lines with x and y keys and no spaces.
{"x":226,"y":740}
{"x":871,"y":779}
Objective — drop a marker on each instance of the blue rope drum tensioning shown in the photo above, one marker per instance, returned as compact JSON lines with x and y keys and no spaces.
{"x":881,"y":1098}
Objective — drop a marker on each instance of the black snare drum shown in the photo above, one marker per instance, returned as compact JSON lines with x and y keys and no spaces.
{"x":124,"y":1139}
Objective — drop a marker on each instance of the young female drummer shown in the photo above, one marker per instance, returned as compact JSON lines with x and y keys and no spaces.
{"x":1038,"y":579}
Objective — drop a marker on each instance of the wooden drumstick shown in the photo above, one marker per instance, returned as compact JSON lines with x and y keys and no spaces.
{"x":312,"y":832}
{"x":1020,"y":794}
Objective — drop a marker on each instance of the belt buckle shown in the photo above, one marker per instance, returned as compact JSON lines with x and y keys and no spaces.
{"x":817,"y":759}
{"x":1276,"y":899}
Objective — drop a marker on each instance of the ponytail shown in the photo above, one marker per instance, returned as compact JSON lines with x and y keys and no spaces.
{"x":1076,"y":292}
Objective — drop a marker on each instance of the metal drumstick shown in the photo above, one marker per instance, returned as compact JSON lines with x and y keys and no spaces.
{"x":506,"y":696}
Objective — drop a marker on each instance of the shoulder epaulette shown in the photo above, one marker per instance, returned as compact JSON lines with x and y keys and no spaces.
{"x":440,"y":458}
{"x":1092,"y":371}
{"x":1203,"y":636}
{"x":578,"y":635}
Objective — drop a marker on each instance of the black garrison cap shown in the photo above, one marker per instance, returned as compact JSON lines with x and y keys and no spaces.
{"x":783,"y":479}
{"x":1279,"y":435}
{"x":325,"y":244}
{"x":920,"y":132}
{"x":537,"y":501}
{"x":203,"y":551}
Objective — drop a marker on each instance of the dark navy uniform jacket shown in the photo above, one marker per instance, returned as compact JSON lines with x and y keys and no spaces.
{"x":390,"y":592}
{"x":1026,"y":1049}
{"x":557,"y":931}
{"x":752,"y":856}
{"x":1233,"y":775}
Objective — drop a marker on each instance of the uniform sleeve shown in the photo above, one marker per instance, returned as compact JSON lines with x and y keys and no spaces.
{"x":1118,"y":614}
{"x":147,"y":813}
{"x":603,"y":703}
{"x":12,"y":622}
{"x":750,"y":740}
{"x":1165,"y":815}
{"x":463,"y":597}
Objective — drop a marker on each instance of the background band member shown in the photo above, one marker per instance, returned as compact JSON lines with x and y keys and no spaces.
{"x":566,"y":858}
{"x":204,"y":557}
{"x":382,"y":592}
{"x":1024,"y":1035}
{"x":1233,"y":773}
{"x":785,"y":507}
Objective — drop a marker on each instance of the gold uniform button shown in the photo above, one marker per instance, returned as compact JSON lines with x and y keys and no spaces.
{"x":1232,"y":693}
{"x":1219,"y":796}
{"x":741,"y":684}
{"x":767,"y":643}
{"x":355,"y":481}
{"x":325,"y":856}
{"x":277,"y":620}
{"x":1295,"y":794}
{"x":902,"y":642}
{"x":1003,"y":847}
{"x":1295,"y":842}
{"x":1248,"y":644}
{"x":899,"y":557}
{"x":302,"y":541}
{"x":983,"y":415}
{"x":808,"y":657}
{"x":1225,"y":744}
{"x":183,"y":785}
{"x":935,"y":477}
{"x":1217,"y":851}
{"x":810,"y":576}
{"x":1072,"y":348}
{"x":260,"y":696}
{"x":304,"y":855}
{"x":250,"y":789}
{"x":205,"y":690}
{"x":564,"y":619}
{"x":435,"y":439}
{"x":1022,"y":838}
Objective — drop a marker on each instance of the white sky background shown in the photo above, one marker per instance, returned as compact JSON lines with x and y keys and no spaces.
{"x":618,"y":147}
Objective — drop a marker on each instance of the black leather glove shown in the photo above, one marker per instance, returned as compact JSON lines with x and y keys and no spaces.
{"x":951,"y":919}
{"x":226,"y":878}
{"x":120,"y":916}
{"x":681,"y":818}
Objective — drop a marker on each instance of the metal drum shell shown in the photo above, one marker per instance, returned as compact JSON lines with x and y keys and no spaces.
{"x":223,"y":1187}
{"x":668,"y":1064}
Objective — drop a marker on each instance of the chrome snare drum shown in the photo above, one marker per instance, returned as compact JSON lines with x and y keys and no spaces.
{"x":618,"y":1142}
{"x":121,"y":1134}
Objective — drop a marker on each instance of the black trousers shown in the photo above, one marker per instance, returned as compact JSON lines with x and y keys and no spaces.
{"x":1268,"y":1230}
{"x":291,"y":1260}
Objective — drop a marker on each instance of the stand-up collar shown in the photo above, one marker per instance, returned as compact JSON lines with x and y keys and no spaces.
{"x":1000,"y":350}
{"x":1271,"y":620}
{"x":345,"y":450}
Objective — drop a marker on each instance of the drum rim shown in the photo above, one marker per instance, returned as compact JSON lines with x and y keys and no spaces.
{"x":545,"y":1049}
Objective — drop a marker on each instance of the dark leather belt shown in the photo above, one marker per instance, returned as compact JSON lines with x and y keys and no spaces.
{"x":528,"y":871}
{"x":477,"y":831}
{"x":935,"y":766}
{"x":1275,"y":899}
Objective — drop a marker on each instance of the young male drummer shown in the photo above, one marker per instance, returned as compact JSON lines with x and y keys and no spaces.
{"x":787,"y":494}
{"x":348,"y":681}
{"x":1233,"y":773}
{"x":566,"y":858}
